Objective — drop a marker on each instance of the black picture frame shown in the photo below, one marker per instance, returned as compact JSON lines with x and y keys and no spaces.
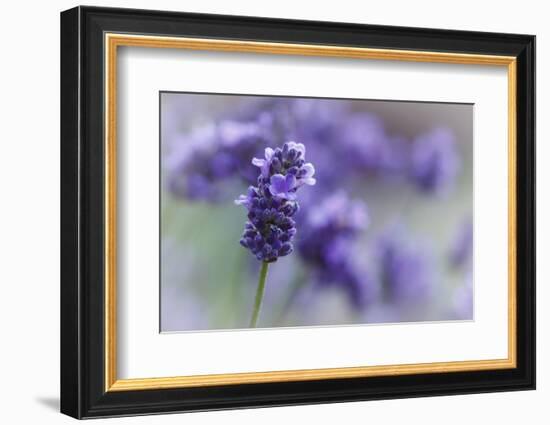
{"x":83,"y":392}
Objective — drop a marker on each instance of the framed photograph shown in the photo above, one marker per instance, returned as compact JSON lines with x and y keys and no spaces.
{"x":260,"y":212}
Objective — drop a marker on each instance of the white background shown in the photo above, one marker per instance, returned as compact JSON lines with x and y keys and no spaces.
{"x":144,"y":352}
{"x":29,"y":218}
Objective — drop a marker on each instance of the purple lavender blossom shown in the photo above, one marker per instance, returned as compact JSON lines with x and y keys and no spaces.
{"x":462,"y":248}
{"x":434,"y":161}
{"x":404,"y":269}
{"x":271,"y":205}
{"x":329,"y":231}
{"x":283,"y":186}
{"x":364,"y":138}
{"x":317,"y":123}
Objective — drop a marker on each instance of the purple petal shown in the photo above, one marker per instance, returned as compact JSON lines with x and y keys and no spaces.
{"x":268,"y":153}
{"x":291,"y":196}
{"x":258,"y":162}
{"x":309,"y":170}
{"x":290,"y":182}
{"x":263,"y":164}
{"x":278,"y":184}
{"x":242,"y":200}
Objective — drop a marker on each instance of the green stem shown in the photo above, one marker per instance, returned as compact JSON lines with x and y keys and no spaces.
{"x":259,"y":295}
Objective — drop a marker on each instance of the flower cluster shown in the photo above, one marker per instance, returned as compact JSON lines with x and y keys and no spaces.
{"x":216,"y":153}
{"x":220,"y":152}
{"x":327,"y":244}
{"x":405,"y":271}
{"x":272,"y":204}
{"x":369,"y":147}
{"x":434,"y":161}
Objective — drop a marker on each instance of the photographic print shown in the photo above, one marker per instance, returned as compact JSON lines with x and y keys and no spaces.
{"x":288,"y":211}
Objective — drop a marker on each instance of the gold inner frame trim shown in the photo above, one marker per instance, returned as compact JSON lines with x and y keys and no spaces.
{"x":113,"y":41}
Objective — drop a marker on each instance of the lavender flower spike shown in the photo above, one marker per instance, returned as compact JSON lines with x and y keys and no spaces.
{"x":435,"y":161}
{"x":272,"y":203}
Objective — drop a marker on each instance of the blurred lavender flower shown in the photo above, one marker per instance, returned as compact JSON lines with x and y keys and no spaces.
{"x":316,"y":123}
{"x":333,"y":132}
{"x":434,"y":160}
{"x":462,"y":248}
{"x":211,"y":154}
{"x":405,"y":268}
{"x":368,"y":147}
{"x":326,"y":243}
{"x":272,"y":203}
